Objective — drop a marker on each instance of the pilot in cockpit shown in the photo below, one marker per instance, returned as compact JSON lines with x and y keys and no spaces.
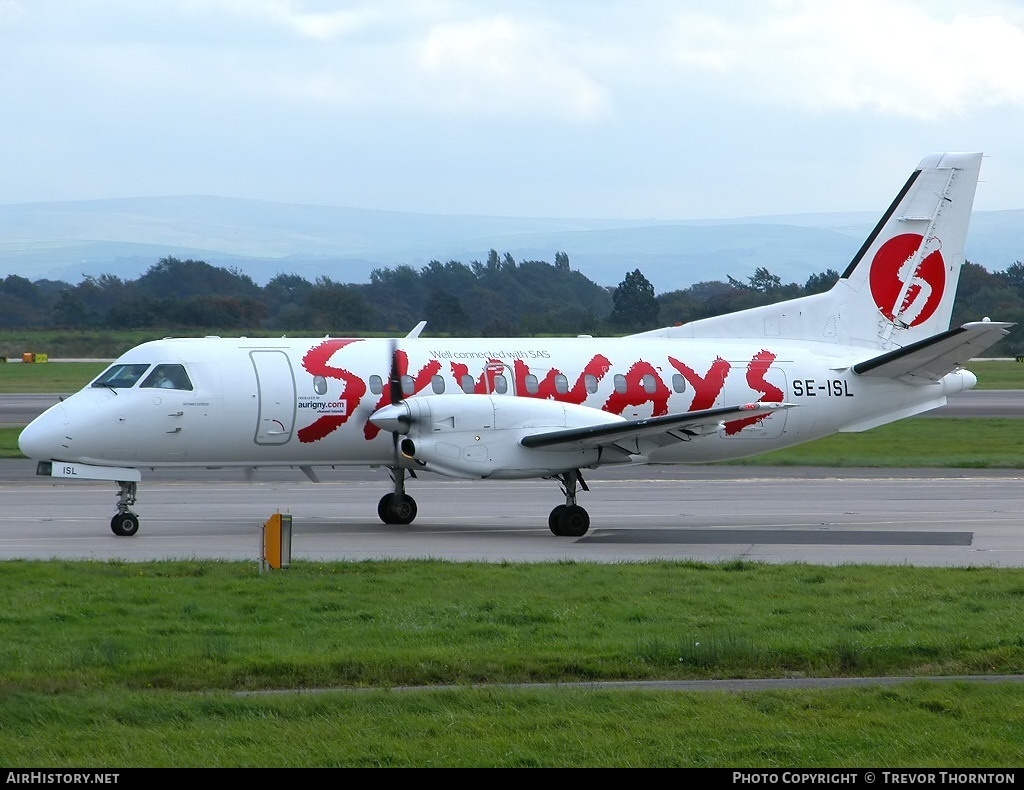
{"x":168,"y":377}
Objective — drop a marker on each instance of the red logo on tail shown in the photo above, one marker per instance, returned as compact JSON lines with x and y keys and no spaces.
{"x":903,"y":291}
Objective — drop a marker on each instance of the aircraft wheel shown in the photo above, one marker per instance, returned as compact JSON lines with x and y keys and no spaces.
{"x":572,"y":521}
{"x":404,"y":510}
{"x":553,"y":519}
{"x":124,"y":524}
{"x":384,"y":508}
{"x":393,"y":509}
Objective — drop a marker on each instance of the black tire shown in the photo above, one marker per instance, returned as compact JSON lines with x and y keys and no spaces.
{"x":384,"y":509}
{"x":403,"y":509}
{"x":393,"y":509}
{"x":124,"y":525}
{"x":553,"y":519}
{"x":573,"y":522}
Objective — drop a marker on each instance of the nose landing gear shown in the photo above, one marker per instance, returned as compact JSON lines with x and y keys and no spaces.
{"x":125,"y":523}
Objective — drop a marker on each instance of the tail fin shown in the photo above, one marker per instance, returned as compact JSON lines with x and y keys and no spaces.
{"x":899,"y":287}
{"x":905,"y":274}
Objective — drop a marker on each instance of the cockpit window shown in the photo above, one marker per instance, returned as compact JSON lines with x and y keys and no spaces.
{"x":171,"y":377}
{"x":121,"y":376}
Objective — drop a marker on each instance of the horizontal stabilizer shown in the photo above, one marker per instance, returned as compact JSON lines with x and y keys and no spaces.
{"x":664,"y":430}
{"x":928,"y":360}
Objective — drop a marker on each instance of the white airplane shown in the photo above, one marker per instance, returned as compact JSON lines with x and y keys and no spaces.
{"x":875,"y":348}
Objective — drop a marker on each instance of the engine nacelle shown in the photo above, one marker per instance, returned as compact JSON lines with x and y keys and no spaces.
{"x":478,"y":436}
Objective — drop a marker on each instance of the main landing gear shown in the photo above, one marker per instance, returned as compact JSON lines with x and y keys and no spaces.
{"x":567,"y":521}
{"x":125,"y":523}
{"x":397,"y":507}
{"x":570,"y":520}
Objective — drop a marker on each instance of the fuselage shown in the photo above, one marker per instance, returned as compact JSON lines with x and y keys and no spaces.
{"x":307,"y":402}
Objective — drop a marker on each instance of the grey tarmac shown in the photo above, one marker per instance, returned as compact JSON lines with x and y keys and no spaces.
{"x":710,"y":513}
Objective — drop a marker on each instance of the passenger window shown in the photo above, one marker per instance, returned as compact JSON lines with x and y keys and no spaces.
{"x":121,"y":376}
{"x":408,"y":385}
{"x":376,"y":384}
{"x":467,"y":384}
{"x":678,"y":382}
{"x":590,"y":380}
{"x":620,"y":383}
{"x":650,"y":383}
{"x":171,"y":377}
{"x":561,"y":384}
{"x":532,"y":386}
{"x":500,"y":385}
{"x":437,"y":384}
{"x":319,"y":385}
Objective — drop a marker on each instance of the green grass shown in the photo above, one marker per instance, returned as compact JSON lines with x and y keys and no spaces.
{"x":198,"y":626}
{"x":940,"y":442}
{"x":58,"y":377}
{"x":9,"y":443}
{"x":74,"y":344}
{"x":142,"y":664}
{"x":919,"y":726}
{"x":998,"y":374}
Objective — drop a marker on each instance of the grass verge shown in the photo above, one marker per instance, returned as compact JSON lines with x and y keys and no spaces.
{"x":140,"y":664}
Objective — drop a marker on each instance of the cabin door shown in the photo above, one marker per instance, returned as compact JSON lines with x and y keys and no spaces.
{"x":275,"y":391}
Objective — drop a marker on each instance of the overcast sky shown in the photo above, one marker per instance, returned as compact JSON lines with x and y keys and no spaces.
{"x":574,"y":108}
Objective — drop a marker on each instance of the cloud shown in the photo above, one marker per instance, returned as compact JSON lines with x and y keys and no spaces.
{"x":578,"y":62}
{"x":915,"y":60}
{"x":617,"y":107}
{"x":500,"y":65}
{"x":297,"y":17}
{"x":431,"y":59}
{"x":10,"y":12}
{"x":920,"y":60}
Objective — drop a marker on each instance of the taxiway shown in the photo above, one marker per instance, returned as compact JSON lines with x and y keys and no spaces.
{"x":950,"y":518}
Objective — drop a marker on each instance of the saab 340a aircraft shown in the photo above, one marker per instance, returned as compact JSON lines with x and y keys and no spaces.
{"x":875,"y":348}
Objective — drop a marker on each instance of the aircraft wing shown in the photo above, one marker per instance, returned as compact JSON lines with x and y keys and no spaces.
{"x":928,"y":360}
{"x":659,"y":431}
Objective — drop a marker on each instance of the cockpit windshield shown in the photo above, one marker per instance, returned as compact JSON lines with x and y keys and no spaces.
{"x":121,"y":376}
{"x":168,"y":377}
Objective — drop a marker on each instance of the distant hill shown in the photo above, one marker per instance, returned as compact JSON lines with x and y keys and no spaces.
{"x":124,"y":237}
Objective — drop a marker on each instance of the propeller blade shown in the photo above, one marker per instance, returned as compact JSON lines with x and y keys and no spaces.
{"x":395,"y":396}
{"x":395,"y":378}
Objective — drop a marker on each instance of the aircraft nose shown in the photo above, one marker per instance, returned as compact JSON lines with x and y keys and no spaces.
{"x":46,"y":436}
{"x":395,"y":417}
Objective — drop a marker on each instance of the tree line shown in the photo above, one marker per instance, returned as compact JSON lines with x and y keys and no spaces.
{"x":495,"y":297}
